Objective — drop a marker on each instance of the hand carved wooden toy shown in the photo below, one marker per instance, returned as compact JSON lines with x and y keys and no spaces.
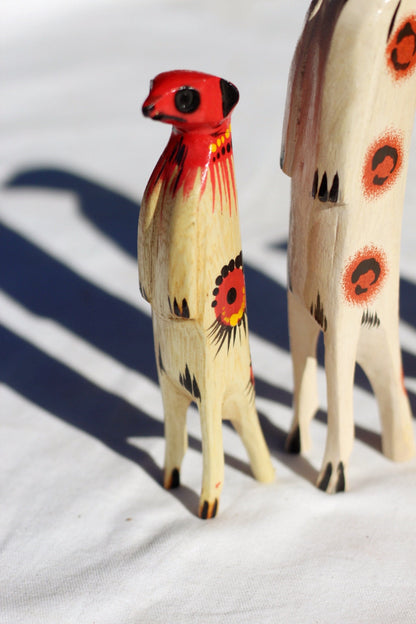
{"x":191,"y":271}
{"x":349,"y":115}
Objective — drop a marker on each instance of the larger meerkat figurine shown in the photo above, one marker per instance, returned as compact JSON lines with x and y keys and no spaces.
{"x":191,"y":271}
{"x":349,"y":116}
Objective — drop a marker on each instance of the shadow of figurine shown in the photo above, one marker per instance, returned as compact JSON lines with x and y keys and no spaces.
{"x":49,"y":288}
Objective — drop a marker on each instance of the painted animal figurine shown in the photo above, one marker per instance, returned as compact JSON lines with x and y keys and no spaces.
{"x":191,"y":271}
{"x":349,"y":115}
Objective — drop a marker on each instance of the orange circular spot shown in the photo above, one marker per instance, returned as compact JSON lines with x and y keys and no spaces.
{"x":383,"y":164}
{"x":401,"y":51}
{"x":364,"y":275}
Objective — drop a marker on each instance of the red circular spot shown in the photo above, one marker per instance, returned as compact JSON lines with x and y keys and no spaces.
{"x":364,"y":275}
{"x":230,"y":301}
{"x":383,"y":164}
{"x":401,"y":51}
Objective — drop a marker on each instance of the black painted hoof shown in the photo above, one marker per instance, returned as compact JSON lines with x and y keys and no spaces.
{"x":323,"y":483}
{"x":340,"y":485}
{"x":293,"y":445}
{"x":330,"y":484}
{"x":208,"y":510}
{"x":173,"y":480}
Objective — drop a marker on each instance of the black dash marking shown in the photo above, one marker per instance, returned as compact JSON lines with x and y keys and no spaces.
{"x":293,"y":442}
{"x":190,"y":383}
{"x":195,"y":389}
{"x":187,"y":381}
{"x":175,"y":478}
{"x":334,"y":192}
{"x":204,"y":511}
{"x":315,"y":184}
{"x":214,"y":511}
{"x":184,"y":313}
{"x":393,"y":20}
{"x":340,"y":486}
{"x":370,"y":320}
{"x":317,"y":312}
{"x":323,"y":484}
{"x":323,"y":189}
{"x":185,"y":309}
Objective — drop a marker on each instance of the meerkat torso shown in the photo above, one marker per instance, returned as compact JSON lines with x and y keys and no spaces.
{"x":190,"y":261}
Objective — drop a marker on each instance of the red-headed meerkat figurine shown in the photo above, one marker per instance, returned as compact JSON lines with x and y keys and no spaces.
{"x":191,"y":272}
{"x":349,"y":116}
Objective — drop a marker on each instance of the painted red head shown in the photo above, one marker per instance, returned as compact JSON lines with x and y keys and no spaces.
{"x":190,"y":100}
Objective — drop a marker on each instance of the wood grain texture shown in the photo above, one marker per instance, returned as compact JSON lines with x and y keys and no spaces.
{"x":348,"y":123}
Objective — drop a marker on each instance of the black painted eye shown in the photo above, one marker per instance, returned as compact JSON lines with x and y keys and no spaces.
{"x":187,"y":100}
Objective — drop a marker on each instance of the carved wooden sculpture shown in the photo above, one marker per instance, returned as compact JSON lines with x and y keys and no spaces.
{"x":349,"y":115}
{"x":191,"y":271}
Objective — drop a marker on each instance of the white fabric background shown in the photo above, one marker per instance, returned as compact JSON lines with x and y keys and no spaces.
{"x":87,"y":533}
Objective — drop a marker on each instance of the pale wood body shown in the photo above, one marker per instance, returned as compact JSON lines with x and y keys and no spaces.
{"x":348,"y":106}
{"x":187,"y":236}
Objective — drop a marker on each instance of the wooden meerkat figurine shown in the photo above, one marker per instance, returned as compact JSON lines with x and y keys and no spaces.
{"x":191,"y":271}
{"x":349,"y":115}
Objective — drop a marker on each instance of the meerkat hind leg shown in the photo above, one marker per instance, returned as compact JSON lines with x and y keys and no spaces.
{"x":243,"y":415}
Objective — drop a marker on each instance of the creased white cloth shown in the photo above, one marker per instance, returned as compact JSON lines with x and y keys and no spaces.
{"x":87,"y":533}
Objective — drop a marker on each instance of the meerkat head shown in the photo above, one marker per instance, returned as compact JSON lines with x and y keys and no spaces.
{"x":190,"y":100}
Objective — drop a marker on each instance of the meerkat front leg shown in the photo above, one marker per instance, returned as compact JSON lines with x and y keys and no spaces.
{"x":175,"y":405}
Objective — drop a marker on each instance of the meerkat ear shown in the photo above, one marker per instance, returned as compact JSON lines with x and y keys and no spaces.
{"x":230,"y":96}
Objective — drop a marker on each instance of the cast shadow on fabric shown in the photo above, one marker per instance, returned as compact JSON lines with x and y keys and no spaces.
{"x":49,"y":288}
